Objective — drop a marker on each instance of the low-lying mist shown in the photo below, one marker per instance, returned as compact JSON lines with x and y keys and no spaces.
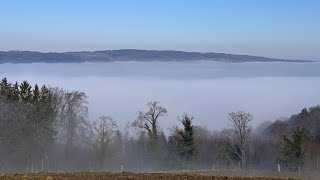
{"x":208,"y":91}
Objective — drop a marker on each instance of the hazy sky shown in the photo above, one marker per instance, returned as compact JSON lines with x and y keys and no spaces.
{"x":275,"y":28}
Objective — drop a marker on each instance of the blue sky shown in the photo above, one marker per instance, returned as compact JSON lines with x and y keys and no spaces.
{"x":274,"y":28}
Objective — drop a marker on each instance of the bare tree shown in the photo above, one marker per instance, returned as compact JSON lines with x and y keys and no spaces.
{"x":226,"y":148}
{"x":73,"y":120}
{"x":241,"y":131}
{"x":104,"y":129}
{"x":148,"y":120}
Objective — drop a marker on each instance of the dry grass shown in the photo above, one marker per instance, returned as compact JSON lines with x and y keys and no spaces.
{"x":265,"y":174}
{"x":126,"y":176}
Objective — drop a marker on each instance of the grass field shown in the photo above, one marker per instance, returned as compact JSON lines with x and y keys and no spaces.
{"x":136,"y":176}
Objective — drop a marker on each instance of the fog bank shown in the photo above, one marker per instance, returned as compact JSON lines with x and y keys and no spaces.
{"x":208,"y":91}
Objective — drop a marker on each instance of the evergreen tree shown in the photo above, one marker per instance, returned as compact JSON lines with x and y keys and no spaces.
{"x":33,"y":119}
{"x":186,"y":144}
{"x":36,"y":94}
{"x":15,"y":93}
{"x":5,"y":87}
{"x":292,"y":154}
{"x":25,"y":91}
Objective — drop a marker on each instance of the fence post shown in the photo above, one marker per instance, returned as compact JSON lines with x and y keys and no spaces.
{"x":42,"y":164}
{"x":317,"y":162}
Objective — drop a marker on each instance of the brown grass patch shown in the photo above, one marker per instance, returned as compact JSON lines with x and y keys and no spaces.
{"x":125,"y":176}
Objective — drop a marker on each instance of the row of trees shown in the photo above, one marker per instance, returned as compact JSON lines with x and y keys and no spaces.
{"x":47,"y":128}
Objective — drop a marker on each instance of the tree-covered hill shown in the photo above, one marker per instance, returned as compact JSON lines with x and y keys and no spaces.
{"x":128,"y":55}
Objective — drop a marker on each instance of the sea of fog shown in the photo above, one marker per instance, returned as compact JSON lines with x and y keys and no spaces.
{"x":206,"y":90}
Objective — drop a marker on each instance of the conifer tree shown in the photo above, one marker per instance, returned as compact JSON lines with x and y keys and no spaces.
{"x":25,"y":91}
{"x":186,"y":144}
{"x":292,"y":154}
{"x":5,"y":87}
{"x":36,"y":94}
{"x":15,"y":93}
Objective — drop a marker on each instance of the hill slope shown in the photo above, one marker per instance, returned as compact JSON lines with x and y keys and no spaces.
{"x":128,"y":55}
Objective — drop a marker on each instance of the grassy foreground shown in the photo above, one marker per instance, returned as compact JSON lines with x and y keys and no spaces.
{"x":126,"y":176}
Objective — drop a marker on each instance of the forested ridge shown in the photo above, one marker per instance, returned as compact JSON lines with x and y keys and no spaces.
{"x":48,"y":129}
{"x":124,"y":55}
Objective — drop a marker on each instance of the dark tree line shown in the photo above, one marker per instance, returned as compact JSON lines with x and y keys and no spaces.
{"x":48,"y":129}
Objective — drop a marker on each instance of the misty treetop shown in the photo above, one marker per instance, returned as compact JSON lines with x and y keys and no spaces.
{"x":46,"y":128}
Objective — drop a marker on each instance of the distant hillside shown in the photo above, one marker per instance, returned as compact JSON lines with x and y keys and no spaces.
{"x":128,"y":55}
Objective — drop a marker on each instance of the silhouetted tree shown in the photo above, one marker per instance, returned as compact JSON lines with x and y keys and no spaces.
{"x":241,"y":130}
{"x":149,"y":120}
